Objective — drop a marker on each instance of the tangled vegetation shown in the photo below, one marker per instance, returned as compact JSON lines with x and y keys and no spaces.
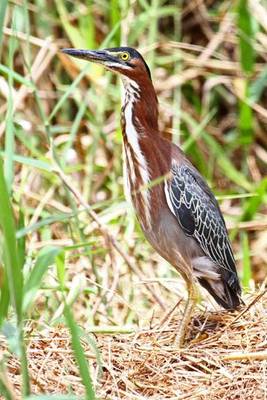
{"x":76,"y":269}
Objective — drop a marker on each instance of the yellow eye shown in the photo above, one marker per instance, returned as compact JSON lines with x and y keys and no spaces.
{"x":125,"y":56}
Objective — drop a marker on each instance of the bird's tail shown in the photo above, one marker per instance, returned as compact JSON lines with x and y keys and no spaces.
{"x":227,"y":294}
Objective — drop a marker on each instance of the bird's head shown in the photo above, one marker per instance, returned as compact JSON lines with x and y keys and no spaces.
{"x":123,"y":60}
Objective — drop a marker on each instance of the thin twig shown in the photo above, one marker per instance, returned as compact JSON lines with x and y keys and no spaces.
{"x":259,"y":355}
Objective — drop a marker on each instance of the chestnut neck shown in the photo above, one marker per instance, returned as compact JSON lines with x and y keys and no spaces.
{"x":141,"y":97}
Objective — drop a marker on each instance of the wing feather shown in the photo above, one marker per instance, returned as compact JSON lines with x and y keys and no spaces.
{"x":198,"y":213}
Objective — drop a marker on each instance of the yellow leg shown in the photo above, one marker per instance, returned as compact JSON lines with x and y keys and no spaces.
{"x":189,"y":307}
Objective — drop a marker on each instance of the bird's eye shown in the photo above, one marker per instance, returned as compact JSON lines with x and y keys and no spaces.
{"x":125,"y":56}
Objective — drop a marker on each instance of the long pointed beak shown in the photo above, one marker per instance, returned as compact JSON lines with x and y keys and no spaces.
{"x":97,"y":56}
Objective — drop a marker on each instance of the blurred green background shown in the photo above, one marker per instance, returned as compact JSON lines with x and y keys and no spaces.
{"x":61,"y":151}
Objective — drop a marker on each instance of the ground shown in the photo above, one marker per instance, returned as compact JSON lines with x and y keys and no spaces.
{"x":224,"y":357}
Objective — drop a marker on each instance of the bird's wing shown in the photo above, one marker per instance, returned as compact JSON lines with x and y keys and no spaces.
{"x":196,"y":209}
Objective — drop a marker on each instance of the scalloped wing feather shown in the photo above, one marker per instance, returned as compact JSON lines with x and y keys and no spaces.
{"x":196,"y":209}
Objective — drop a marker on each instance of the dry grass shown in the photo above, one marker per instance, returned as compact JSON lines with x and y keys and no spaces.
{"x":225,"y":358}
{"x":112,"y":277}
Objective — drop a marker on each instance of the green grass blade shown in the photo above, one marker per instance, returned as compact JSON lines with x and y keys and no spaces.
{"x":75,"y":333}
{"x":13,"y":270}
{"x":245,"y":117}
{"x":9,"y":131}
{"x":69,"y":91}
{"x":115,"y":19}
{"x":45,"y":258}
{"x":3,"y":6}
{"x":21,"y":241}
{"x":252,"y":204}
{"x":11,"y":334}
{"x":73,"y":33}
{"x":108,"y":39}
{"x":247,"y":61}
{"x":246,"y":261}
{"x":44,"y":222}
{"x":4,"y":295}
{"x":31,"y":162}
{"x":15,"y":76}
{"x":87,"y":25}
{"x":257,"y":87}
{"x":79,"y":354}
{"x":60,"y":264}
{"x":246,"y":36}
{"x":4,"y":390}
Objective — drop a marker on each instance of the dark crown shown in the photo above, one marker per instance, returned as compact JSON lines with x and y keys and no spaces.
{"x":134,"y":54}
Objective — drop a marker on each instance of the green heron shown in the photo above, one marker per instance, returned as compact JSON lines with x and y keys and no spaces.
{"x":179,"y":215}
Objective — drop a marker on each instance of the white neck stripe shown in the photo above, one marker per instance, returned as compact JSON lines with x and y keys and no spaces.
{"x":131,"y":90}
